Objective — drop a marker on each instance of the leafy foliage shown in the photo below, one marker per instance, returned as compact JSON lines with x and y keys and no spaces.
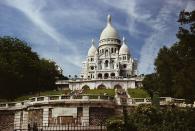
{"x":149,"y":118}
{"x":22,"y":71}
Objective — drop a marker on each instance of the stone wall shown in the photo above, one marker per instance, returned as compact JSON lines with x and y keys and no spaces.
{"x":35,"y":116}
{"x":6,"y":120}
{"x":63,"y":120}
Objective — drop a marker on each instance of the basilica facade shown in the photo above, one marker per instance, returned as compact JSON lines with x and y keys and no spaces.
{"x":110,"y":65}
{"x":111,"y":59}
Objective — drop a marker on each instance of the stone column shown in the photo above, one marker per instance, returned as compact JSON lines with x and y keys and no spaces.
{"x":85,"y":118}
{"x":25,"y":120}
{"x":45,"y":116}
{"x":17,"y":120}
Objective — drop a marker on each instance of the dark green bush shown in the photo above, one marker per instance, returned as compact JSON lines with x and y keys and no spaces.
{"x":149,"y":118}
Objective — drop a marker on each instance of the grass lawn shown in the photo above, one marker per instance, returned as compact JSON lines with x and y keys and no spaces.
{"x":138,"y":93}
{"x":135,"y":93}
{"x":100,"y":91}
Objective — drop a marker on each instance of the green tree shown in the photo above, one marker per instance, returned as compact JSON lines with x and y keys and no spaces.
{"x":150,"y":84}
{"x":22,"y":71}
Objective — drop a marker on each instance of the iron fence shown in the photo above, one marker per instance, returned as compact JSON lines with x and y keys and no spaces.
{"x":67,"y":127}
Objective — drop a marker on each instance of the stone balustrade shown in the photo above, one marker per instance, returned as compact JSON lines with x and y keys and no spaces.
{"x":163,"y":101}
{"x":41,"y":100}
{"x":55,"y":98}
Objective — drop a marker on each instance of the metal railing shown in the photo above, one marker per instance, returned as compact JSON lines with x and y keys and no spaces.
{"x":61,"y":127}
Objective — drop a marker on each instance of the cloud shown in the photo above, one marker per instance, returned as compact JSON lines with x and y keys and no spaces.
{"x":62,"y":30}
{"x":158,"y":20}
{"x":32,"y":10}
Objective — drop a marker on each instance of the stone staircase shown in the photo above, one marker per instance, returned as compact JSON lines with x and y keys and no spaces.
{"x":122,"y":97}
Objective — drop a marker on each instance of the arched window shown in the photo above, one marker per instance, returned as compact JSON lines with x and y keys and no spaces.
{"x":117,"y":87}
{"x":112,"y":74}
{"x":106,"y":63}
{"x":112,"y":50}
{"x":85,"y":87}
{"x":100,"y":75}
{"x":101,"y":86}
{"x":106,"y":52}
{"x":106,"y":75}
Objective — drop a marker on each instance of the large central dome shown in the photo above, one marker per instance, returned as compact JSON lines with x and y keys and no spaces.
{"x":109,"y":31}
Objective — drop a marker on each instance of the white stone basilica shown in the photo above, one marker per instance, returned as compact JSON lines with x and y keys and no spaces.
{"x":110,"y":65}
{"x":111,"y":59}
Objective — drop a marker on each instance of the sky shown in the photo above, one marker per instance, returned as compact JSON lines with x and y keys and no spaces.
{"x":62,"y":30}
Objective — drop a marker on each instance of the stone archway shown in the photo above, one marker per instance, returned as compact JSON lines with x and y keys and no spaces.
{"x":101,"y":86}
{"x":106,"y":75}
{"x":86,"y":87}
{"x":117,"y":86}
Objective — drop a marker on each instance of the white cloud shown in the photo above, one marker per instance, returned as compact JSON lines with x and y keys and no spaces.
{"x":161,"y":36}
{"x":88,"y":18}
{"x":162,"y":33}
{"x":33,"y":10}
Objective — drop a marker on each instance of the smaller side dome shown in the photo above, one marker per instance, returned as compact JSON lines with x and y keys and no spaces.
{"x":124,"y":50}
{"x":92,"y":50}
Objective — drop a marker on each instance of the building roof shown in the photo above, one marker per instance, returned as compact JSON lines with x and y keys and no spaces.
{"x":124,"y":50}
{"x":92,"y":50}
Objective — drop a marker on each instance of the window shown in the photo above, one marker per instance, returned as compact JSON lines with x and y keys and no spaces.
{"x":124,"y":66}
{"x":92,"y":67}
{"x":112,"y":50}
{"x":112,"y":74}
{"x":106,"y":75}
{"x":106,"y":63}
{"x":99,"y":75}
{"x":106,"y":52}
{"x":92,"y":59}
{"x":112,"y":64}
